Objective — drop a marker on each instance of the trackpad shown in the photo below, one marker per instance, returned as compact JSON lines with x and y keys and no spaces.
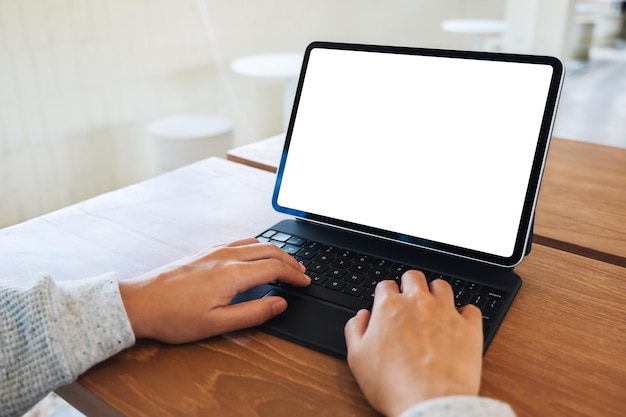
{"x":310,"y":323}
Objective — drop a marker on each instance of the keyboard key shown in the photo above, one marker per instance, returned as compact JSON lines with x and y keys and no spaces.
{"x":295,"y":240}
{"x":317,"y":267}
{"x":306,"y":253}
{"x":281,"y":237}
{"x":396,"y":277}
{"x":291,"y":249}
{"x":493,"y":303}
{"x":461,"y":298}
{"x":329,"y":249}
{"x":370,"y":282}
{"x":457,"y":283}
{"x":493,"y":292}
{"x":334,"y":284}
{"x":361,"y":268}
{"x":317,"y":279}
{"x":437,"y":275}
{"x":487,"y":318}
{"x":399,"y":268}
{"x":312,"y":245}
{"x":303,"y":261}
{"x":364,"y":259}
{"x":345,"y":254}
{"x":268,"y":233}
{"x":381,"y":263}
{"x":323,"y":258}
{"x":354,"y":278}
{"x":341,"y":263}
{"x":355,"y":290}
{"x":335,"y":273}
{"x":368,"y":295}
{"x":477,"y":299}
{"x":378,"y":273}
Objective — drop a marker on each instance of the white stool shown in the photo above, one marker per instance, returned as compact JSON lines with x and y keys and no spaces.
{"x":581,"y":38}
{"x":183,"y":139}
{"x":284,"y":66}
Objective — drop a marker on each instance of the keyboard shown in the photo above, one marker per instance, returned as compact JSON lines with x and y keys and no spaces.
{"x":348,"y":278}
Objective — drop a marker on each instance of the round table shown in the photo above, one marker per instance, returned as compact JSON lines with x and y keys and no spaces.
{"x":477,"y":27}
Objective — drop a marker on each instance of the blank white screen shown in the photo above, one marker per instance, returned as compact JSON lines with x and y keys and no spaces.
{"x":431,"y":147}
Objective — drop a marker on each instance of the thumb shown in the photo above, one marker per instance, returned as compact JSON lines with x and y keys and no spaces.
{"x":356,"y":326}
{"x":248,"y":314}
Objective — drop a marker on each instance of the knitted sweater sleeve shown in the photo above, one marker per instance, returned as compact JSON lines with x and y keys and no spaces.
{"x":454,"y":406}
{"x":51,"y":332}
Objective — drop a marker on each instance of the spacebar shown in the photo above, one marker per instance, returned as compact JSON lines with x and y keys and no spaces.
{"x":333,"y":296}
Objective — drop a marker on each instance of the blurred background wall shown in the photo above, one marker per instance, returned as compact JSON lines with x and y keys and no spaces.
{"x":81,"y":79}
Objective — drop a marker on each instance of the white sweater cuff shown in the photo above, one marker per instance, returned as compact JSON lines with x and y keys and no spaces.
{"x":96,"y":325}
{"x":466,"y":406}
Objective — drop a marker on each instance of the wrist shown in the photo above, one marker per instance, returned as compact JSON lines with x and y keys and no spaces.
{"x":410,"y":395}
{"x":131,"y":298}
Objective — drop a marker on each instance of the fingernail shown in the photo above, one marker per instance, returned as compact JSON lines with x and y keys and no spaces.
{"x":278,"y":307}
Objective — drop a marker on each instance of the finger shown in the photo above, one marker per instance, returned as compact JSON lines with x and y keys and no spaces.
{"x":386,"y":286}
{"x":355,"y":328}
{"x":255,"y":251}
{"x":248,"y":314}
{"x":442,"y":290}
{"x":242,"y":242}
{"x":252,"y":273}
{"x":384,"y":289}
{"x":200,"y":255}
{"x":413,"y":280}
{"x":474,"y":319}
{"x":472,"y":314}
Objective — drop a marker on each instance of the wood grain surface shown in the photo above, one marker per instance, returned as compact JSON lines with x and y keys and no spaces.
{"x":559,"y":352}
{"x":582,"y":202}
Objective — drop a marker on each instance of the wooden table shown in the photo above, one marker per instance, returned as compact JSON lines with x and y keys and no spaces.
{"x":559,"y":351}
{"x":582,"y":202}
{"x":264,"y":154}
